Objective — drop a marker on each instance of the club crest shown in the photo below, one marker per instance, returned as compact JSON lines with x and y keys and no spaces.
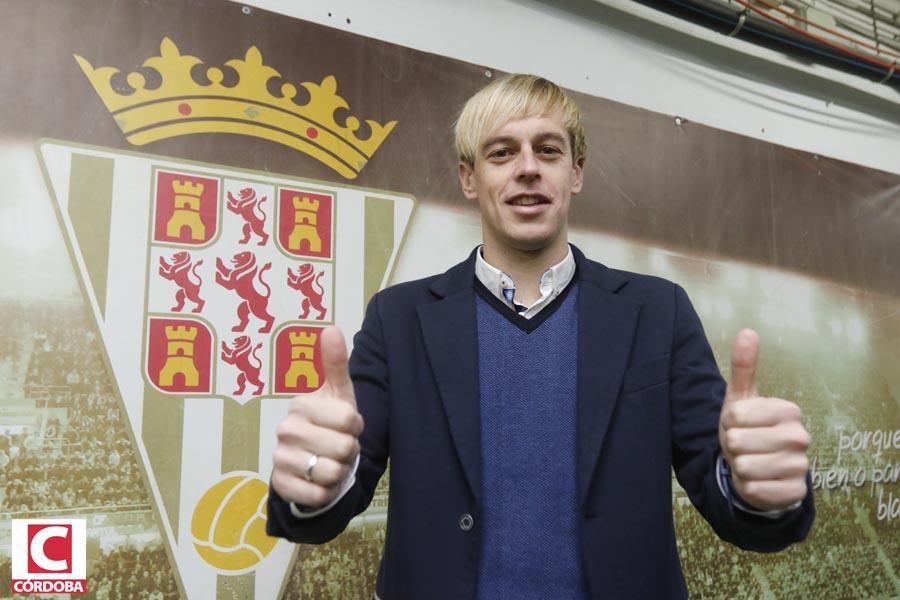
{"x":210,"y":298}
{"x":237,"y":296}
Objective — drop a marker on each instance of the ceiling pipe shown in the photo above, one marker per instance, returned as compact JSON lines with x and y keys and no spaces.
{"x":751,"y":27}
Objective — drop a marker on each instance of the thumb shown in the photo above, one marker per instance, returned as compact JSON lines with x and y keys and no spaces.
{"x":334,"y":363}
{"x":744,"y":358}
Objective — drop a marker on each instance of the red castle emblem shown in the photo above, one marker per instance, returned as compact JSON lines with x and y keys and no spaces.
{"x":298,"y":363}
{"x":186,"y":208}
{"x":179,"y":355}
{"x":305,"y":223}
{"x":253,"y":337}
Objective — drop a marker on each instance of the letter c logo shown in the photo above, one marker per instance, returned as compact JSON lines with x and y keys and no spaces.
{"x":36,"y":549}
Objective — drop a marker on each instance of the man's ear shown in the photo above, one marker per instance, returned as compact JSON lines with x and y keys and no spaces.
{"x":467,"y":181}
{"x":578,"y":175}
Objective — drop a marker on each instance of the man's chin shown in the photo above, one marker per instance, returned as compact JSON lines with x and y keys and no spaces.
{"x":531,"y":244}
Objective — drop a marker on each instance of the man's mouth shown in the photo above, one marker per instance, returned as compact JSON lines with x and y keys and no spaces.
{"x":528,"y":200}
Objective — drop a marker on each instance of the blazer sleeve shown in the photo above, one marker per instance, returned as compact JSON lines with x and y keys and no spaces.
{"x":369,"y":372}
{"x":697,"y":393}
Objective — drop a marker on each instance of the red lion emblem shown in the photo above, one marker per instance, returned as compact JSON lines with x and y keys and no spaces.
{"x":307,"y":283}
{"x":244,"y":357}
{"x":248,"y":208}
{"x":180,"y":272}
{"x":242,"y":279}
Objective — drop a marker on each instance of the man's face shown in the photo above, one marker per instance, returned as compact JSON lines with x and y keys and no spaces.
{"x":523,"y":179}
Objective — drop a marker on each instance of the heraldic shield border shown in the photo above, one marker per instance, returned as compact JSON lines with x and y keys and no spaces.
{"x":209,"y":286}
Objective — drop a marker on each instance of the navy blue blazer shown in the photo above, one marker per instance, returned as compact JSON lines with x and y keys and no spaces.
{"x":649,"y":396}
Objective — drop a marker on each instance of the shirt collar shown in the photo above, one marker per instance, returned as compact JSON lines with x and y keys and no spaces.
{"x":553,"y":281}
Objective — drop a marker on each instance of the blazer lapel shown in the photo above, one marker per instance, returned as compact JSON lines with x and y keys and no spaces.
{"x":451,"y":343}
{"x":607,"y":325}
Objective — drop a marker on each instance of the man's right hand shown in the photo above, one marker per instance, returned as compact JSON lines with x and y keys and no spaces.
{"x":325,"y":425}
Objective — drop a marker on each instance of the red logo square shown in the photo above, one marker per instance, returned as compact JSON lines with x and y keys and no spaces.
{"x":50,"y":548}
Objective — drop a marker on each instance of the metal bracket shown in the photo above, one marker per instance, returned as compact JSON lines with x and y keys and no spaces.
{"x":742,"y":19}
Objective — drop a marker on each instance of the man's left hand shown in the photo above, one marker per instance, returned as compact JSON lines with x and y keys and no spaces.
{"x":763,"y":439}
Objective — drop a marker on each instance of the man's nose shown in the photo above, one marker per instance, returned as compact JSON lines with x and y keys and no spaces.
{"x":528,"y":165}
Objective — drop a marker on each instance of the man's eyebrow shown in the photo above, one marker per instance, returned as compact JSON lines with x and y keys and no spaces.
{"x":550,"y":135}
{"x":500,"y":139}
{"x":509,"y":139}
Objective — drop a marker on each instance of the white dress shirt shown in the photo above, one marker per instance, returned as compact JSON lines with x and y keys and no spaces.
{"x":553,"y":282}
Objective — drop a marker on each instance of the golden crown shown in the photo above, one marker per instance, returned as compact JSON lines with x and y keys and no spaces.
{"x":181,"y":106}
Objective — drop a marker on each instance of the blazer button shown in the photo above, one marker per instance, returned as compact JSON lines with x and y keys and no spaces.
{"x":466,"y":522}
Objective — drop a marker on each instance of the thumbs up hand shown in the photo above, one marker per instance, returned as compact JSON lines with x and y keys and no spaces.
{"x":318,"y":440}
{"x":763,"y":439}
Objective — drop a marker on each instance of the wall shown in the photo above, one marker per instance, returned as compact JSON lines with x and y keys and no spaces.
{"x":605,"y":52}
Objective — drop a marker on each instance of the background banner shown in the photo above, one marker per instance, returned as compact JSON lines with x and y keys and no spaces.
{"x":192,"y":190}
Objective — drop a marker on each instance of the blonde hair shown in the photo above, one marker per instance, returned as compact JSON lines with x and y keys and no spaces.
{"x":514,"y":96}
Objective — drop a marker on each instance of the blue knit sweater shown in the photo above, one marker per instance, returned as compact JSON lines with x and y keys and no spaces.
{"x":528,"y":377}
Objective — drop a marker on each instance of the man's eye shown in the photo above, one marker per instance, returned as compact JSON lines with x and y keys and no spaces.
{"x":499,"y":153}
{"x":549,"y":150}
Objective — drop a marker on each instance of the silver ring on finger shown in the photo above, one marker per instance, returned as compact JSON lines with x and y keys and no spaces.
{"x":310,"y":465}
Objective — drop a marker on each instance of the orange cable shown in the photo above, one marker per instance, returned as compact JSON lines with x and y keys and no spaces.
{"x":823,"y":41}
{"x":827,"y":30}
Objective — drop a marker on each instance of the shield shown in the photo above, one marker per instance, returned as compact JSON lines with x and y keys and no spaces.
{"x":210,"y":287}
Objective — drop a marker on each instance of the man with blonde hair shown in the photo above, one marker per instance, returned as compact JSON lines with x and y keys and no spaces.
{"x":533,"y":402}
